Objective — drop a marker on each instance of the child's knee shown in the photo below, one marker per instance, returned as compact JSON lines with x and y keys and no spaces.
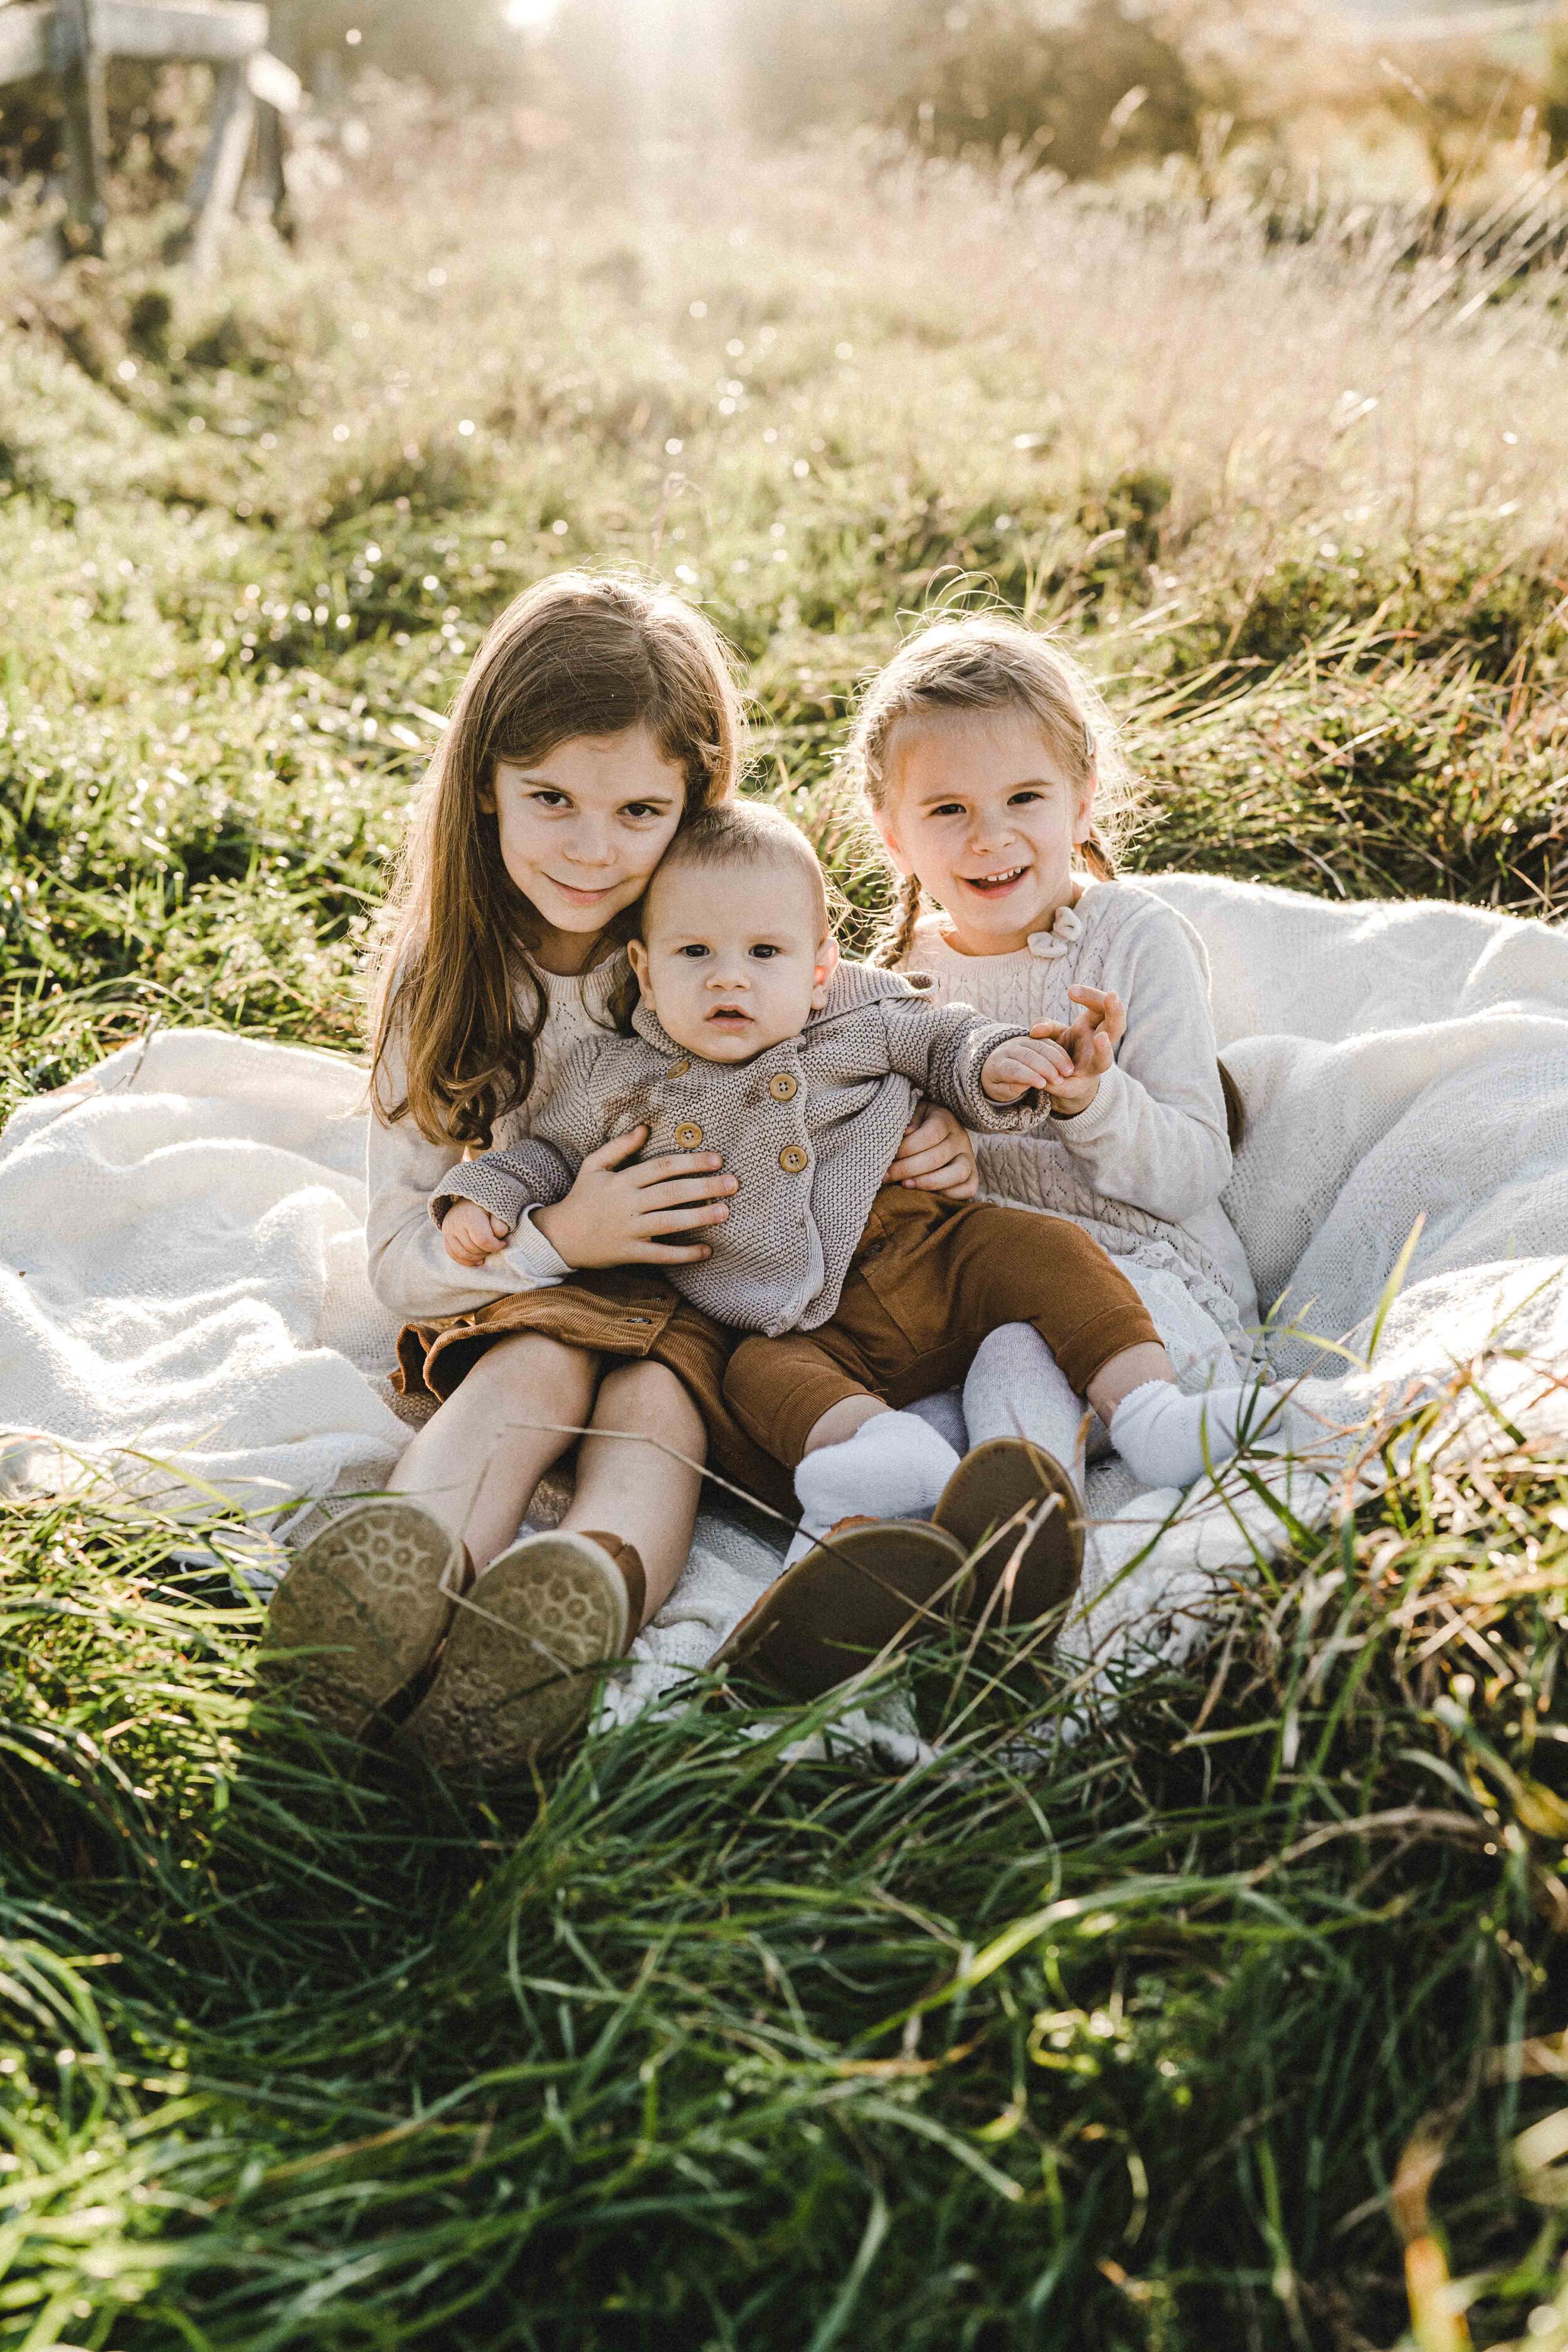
{"x":531,"y":1360}
{"x":656,"y":1400}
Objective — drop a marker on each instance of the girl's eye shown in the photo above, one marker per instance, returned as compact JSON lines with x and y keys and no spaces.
{"x":948,"y":808}
{"x":1022,"y":800}
{"x":548,"y":799}
{"x":641,"y":809}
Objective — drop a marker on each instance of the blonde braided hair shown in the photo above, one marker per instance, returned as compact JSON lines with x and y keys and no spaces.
{"x":987,"y":661}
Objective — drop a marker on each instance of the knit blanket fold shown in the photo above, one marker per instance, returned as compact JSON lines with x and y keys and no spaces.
{"x":185,"y":1314}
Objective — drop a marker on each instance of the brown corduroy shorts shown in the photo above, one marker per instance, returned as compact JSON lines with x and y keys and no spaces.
{"x":928,"y":1282}
{"x":628,"y":1312}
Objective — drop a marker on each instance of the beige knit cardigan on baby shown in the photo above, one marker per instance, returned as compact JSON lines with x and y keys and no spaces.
{"x":810,"y":1128}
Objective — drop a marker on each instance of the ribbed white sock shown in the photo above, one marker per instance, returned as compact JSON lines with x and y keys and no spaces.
{"x":1017,"y":1388}
{"x":894,"y":1467}
{"x":1167,"y":1439}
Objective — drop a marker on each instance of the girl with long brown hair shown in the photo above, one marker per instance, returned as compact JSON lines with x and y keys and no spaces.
{"x":598,"y":718}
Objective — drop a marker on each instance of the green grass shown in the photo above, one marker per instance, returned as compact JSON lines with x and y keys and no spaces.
{"x":1112,"y":2040}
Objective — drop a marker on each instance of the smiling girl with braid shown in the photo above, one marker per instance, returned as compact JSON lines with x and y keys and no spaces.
{"x":993,"y":772}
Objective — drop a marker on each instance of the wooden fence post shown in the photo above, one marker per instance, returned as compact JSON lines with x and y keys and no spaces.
{"x":219,"y":174}
{"x":78,"y":70}
{"x":70,"y":39}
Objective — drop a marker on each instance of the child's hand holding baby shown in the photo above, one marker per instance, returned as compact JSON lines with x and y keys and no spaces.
{"x":1067,"y":1063}
{"x":471,"y":1234}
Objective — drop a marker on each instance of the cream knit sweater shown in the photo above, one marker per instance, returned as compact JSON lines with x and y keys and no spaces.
{"x":409,"y":1269}
{"x":1142,"y":1168}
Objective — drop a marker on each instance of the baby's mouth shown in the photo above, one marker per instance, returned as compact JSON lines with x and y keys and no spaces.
{"x":728,"y":1016}
{"x":991,"y":885}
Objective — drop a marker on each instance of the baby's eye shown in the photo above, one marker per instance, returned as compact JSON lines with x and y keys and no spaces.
{"x":693,"y":950}
{"x":764,"y":951}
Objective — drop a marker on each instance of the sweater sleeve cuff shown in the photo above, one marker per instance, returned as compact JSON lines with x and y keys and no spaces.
{"x":978,"y":1109}
{"x":481,"y":1181}
{"x":537,"y":1261}
{"x":1101,"y":1116}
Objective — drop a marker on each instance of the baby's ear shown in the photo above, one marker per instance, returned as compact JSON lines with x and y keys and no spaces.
{"x":637,"y":955}
{"x":826,"y":964}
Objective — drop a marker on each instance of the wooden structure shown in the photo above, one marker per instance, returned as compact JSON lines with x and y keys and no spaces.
{"x":71,"y":40}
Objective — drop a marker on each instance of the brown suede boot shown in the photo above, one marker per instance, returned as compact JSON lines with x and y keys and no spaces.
{"x":1018,"y":1516}
{"x":517,"y":1676}
{"x":869,"y":1584}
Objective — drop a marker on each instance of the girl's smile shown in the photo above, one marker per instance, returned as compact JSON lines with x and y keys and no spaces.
{"x":993,"y":885}
{"x":582,"y":896}
{"x":980,"y":807}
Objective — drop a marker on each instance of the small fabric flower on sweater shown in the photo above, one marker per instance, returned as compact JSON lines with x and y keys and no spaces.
{"x":1067,"y":929}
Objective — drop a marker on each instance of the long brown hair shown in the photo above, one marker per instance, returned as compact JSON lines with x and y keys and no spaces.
{"x":987,"y":661}
{"x":580,"y":654}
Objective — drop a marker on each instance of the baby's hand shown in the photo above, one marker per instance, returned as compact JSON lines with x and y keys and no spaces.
{"x":1022,"y":1067}
{"x":471,"y":1234}
{"x":1091,"y":1046}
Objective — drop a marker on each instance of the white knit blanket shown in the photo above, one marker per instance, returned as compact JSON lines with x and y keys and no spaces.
{"x":184,"y":1313}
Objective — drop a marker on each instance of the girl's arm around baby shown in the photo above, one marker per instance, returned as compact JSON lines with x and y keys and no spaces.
{"x":579,"y":1198}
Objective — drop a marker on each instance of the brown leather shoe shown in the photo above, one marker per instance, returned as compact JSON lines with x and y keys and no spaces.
{"x":519,"y":1672}
{"x":1019,"y":1519}
{"x":869,"y":1585}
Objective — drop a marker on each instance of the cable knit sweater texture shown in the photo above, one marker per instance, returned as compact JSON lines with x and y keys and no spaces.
{"x":1143,"y":1169}
{"x":809,"y":1127}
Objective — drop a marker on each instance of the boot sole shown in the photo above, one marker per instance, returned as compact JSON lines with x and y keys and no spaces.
{"x":515,"y":1676}
{"x":840,"y":1606}
{"x":369,"y":1600}
{"x":991,"y":1507}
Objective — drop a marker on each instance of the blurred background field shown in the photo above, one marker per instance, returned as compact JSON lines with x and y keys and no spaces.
{"x":1232,"y":342}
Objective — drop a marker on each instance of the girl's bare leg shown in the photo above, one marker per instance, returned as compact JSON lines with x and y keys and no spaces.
{"x":476,"y":1463}
{"x":637,"y":1491}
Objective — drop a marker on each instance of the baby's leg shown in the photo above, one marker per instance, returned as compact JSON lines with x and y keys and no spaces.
{"x":804,"y":1399}
{"x":637,"y":1490}
{"x":1012,"y":1265}
{"x":476,"y":1463}
{"x":1100,"y":1336}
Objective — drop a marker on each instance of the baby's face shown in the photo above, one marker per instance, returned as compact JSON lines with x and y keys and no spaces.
{"x":729,"y":959}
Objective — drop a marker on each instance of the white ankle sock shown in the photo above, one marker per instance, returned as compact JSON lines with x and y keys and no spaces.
{"x":1017,"y":1388}
{"x":894,"y":1467}
{"x":1167,"y":1439}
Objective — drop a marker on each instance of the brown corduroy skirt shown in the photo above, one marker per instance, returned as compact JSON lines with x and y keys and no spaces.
{"x":621,"y":1312}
